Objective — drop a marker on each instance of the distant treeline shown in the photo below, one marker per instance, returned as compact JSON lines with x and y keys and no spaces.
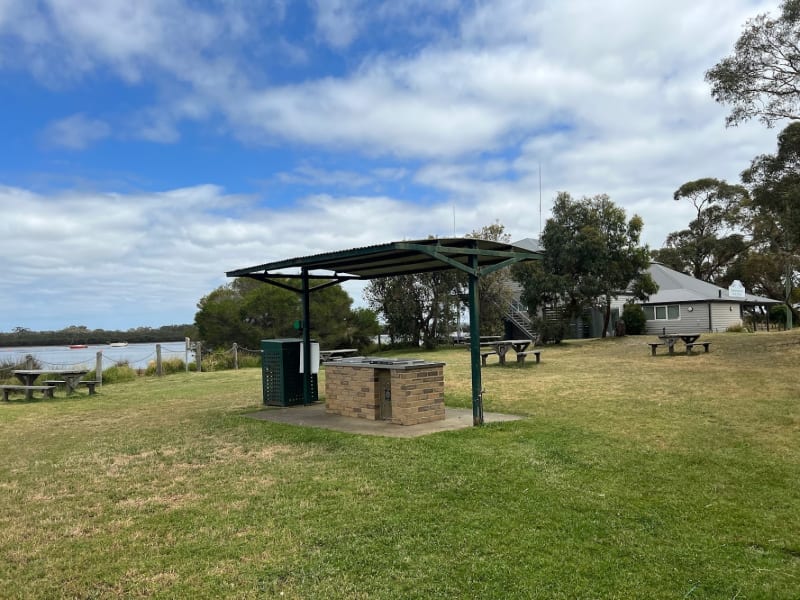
{"x":83,"y":335}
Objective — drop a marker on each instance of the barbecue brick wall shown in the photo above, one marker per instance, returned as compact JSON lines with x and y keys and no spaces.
{"x":417,"y":394}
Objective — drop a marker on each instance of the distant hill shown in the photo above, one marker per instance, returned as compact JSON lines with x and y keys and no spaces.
{"x":83,"y":335}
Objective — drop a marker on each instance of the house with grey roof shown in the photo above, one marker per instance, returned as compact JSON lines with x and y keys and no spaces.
{"x":684,"y":304}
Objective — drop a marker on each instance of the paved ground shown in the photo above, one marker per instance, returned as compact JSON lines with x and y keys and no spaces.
{"x":314,"y":415}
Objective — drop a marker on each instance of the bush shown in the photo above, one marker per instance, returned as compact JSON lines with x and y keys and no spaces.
{"x":777,"y":315}
{"x":249,"y":361}
{"x":168,"y":367}
{"x":218,"y":360}
{"x":550,"y":331}
{"x":116,"y":374}
{"x":634,"y":319}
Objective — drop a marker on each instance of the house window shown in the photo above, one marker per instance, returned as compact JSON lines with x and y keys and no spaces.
{"x":662,"y":313}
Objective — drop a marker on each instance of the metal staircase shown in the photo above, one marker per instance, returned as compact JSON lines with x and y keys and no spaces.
{"x":518,"y":315}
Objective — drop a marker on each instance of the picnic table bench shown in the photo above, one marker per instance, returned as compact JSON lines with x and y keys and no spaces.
{"x":689,"y":340}
{"x":47,"y":390}
{"x":486,"y":354}
{"x":521,"y":356}
{"x":705,"y":345}
{"x":87,"y":382}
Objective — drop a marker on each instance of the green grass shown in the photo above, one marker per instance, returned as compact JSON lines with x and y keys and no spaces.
{"x":631,"y":477}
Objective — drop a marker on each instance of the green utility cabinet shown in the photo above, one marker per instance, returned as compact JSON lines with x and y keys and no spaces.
{"x":281,"y":378}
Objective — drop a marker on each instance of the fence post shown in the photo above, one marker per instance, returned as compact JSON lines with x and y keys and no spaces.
{"x":98,"y":368}
{"x":199,"y":355}
{"x":159,"y":368}
{"x":186,"y":355}
{"x":235,"y":356}
{"x":29,"y":361}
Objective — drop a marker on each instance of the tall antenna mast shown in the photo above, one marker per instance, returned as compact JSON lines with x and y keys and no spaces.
{"x":540,"y":200}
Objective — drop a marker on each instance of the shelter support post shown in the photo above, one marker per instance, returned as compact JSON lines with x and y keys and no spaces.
{"x":307,"y":375}
{"x":788,"y":284}
{"x":475,"y":343}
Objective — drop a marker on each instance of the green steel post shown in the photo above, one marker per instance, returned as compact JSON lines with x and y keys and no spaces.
{"x":306,"y":339}
{"x":475,"y":342}
{"x":789,"y":297}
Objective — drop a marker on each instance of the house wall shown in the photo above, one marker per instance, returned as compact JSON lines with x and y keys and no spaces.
{"x":703,"y":317}
{"x":689,"y":321}
{"x":724,"y":315}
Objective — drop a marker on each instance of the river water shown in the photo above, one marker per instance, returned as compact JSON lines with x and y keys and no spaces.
{"x":137,"y":356}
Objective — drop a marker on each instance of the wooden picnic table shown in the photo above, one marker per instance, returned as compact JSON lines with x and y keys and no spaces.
{"x":501,"y":347}
{"x":326,"y":355}
{"x":688,"y":339}
{"x":465,"y":339}
{"x":71,"y":378}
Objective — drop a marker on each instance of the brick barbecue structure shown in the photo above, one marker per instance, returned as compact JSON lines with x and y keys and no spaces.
{"x":401,"y":391}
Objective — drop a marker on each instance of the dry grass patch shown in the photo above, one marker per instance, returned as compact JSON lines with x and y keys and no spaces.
{"x":633,"y":476}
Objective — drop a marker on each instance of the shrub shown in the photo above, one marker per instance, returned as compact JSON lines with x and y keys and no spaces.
{"x":218,"y":360}
{"x":249,"y":361}
{"x":550,"y":331}
{"x":168,"y":367}
{"x":117,"y":374}
{"x":634,"y":319}
{"x":777,"y":314}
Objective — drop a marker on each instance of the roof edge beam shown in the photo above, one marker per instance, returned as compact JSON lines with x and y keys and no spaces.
{"x":503,"y":265}
{"x":273,"y":281}
{"x":433,"y":252}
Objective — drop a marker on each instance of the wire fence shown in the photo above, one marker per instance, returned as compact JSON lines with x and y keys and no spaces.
{"x":150,"y":358}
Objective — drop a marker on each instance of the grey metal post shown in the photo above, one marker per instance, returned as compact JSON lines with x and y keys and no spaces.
{"x":159,"y":365}
{"x":186,"y":355}
{"x":98,"y":368}
{"x":235,"y":356}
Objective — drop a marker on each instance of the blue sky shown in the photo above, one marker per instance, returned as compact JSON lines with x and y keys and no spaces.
{"x":150,"y":146}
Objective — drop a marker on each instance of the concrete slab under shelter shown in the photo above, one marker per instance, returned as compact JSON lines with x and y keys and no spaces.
{"x":314,"y":415}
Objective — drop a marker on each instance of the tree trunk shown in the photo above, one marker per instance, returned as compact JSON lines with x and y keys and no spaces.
{"x":606,"y":317}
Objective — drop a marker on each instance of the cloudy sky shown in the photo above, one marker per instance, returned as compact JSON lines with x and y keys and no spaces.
{"x":147,"y":147}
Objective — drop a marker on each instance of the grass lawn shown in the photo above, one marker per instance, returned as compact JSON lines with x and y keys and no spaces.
{"x":631,"y":477}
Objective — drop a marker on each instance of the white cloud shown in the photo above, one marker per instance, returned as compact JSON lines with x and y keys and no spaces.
{"x":76,"y":132}
{"x":515,"y":69}
{"x":113,"y":257}
{"x":607,"y":100}
{"x":337,"y":22}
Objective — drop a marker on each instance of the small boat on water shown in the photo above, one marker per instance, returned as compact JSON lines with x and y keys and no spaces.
{"x":78,"y":346}
{"x":118,"y":344}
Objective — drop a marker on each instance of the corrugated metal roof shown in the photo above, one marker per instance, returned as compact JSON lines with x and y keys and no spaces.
{"x":531,"y":244}
{"x":674,"y":286}
{"x":396,"y":258}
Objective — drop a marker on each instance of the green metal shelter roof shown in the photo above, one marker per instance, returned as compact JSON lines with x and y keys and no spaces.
{"x":472,"y":256}
{"x":397,"y":258}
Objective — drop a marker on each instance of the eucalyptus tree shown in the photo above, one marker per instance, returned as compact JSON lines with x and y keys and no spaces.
{"x":420,"y":308}
{"x":592,"y":254}
{"x":774,"y":181}
{"x":713,"y":240}
{"x":495,"y":292}
{"x":424,"y":308}
{"x":762,"y":76}
{"x":246,"y":311}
